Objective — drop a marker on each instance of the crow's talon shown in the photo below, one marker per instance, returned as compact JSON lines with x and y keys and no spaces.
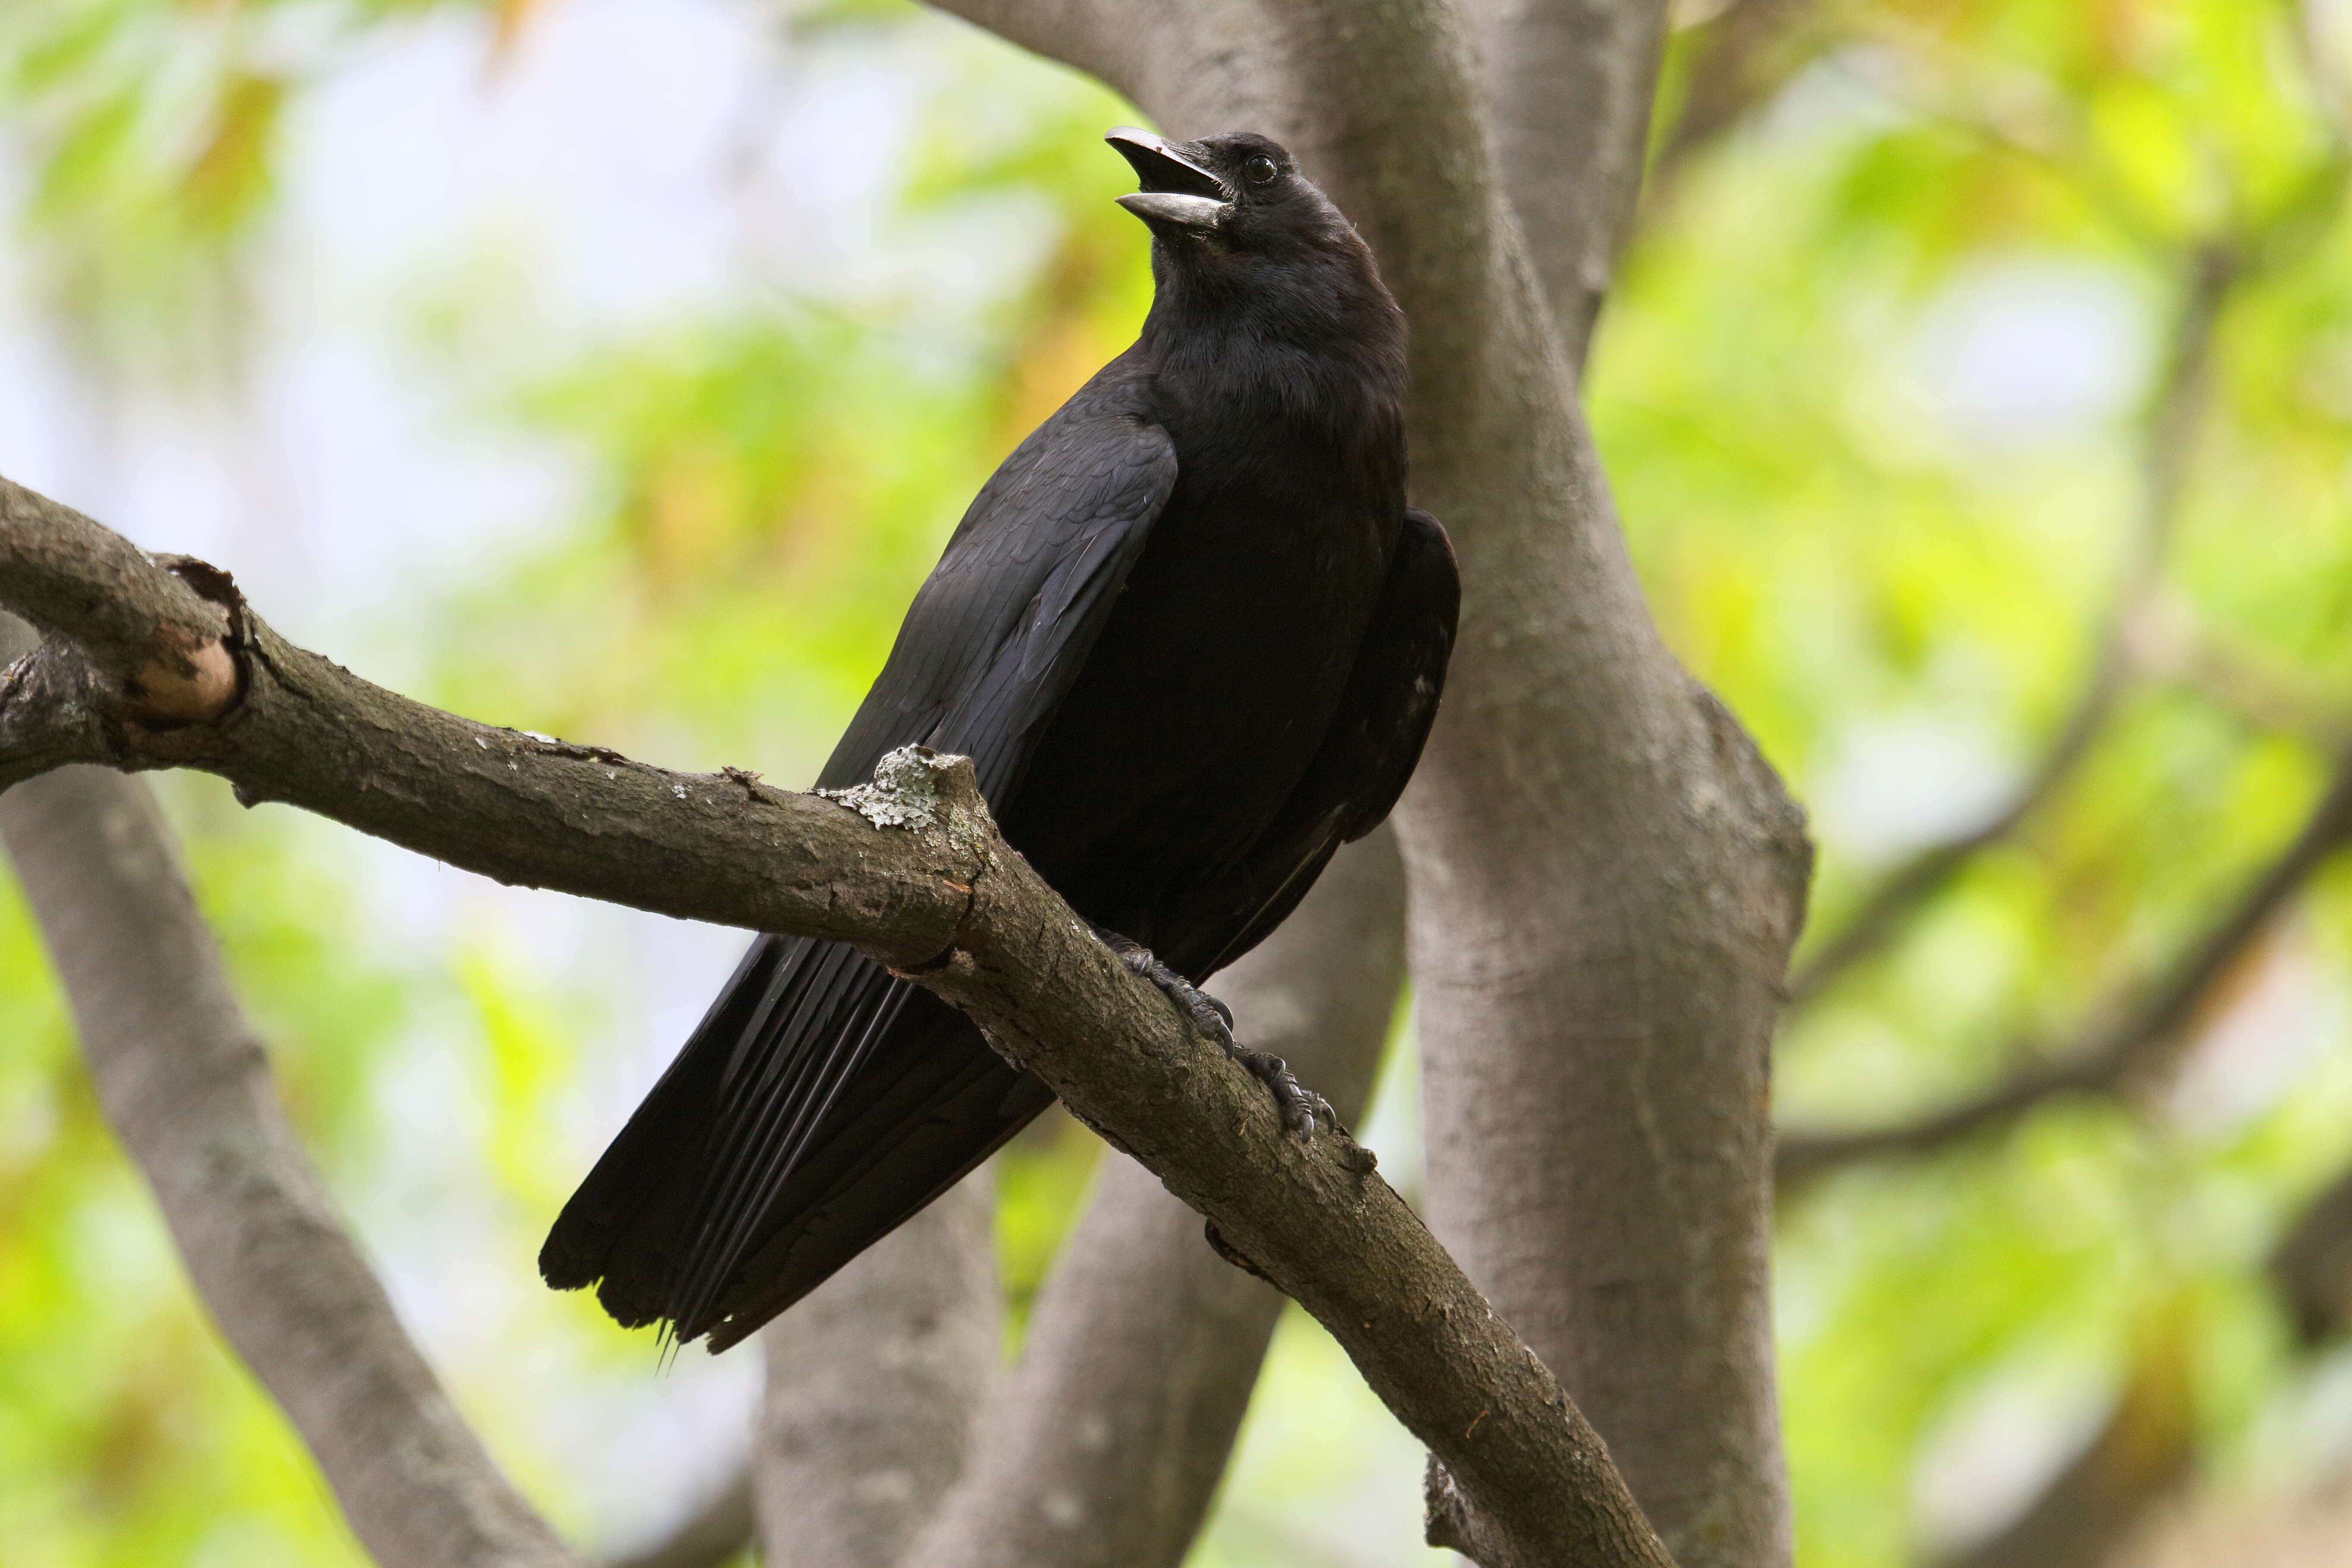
{"x":1300,"y":1107}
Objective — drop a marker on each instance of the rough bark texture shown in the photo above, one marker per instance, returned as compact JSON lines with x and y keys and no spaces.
{"x":189,"y":1091}
{"x":1606,"y":877}
{"x":87,"y":584}
{"x":1572,"y":83}
{"x":912,"y":870}
{"x":1107,"y":1443}
{"x":522,"y":809}
{"x":874,"y":1383}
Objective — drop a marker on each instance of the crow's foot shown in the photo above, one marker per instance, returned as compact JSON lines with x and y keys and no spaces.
{"x":1300,"y":1107}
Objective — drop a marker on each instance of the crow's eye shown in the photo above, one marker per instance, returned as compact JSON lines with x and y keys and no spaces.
{"x":1259,"y":169}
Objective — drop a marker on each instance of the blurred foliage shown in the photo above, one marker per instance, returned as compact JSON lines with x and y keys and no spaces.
{"x":1882,"y":389}
{"x":1896,"y":560}
{"x":150,"y":129}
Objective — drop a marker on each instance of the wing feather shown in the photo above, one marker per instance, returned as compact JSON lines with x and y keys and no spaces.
{"x":1374,"y":742}
{"x":703,"y":1177}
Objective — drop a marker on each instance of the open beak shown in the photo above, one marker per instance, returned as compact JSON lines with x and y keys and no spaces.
{"x":1177,"y":193}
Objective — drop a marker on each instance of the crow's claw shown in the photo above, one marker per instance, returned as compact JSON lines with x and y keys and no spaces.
{"x":1300,"y":1107}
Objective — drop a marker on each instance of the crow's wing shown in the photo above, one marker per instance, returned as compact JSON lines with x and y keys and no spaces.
{"x":693,"y":1215}
{"x":1368,"y":754}
{"x":1002,"y":626}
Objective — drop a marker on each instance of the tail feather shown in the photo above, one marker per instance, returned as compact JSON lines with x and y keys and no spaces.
{"x":819,"y":1104}
{"x":773,"y":1112}
{"x":928,"y":1106}
{"x":628,"y":1224}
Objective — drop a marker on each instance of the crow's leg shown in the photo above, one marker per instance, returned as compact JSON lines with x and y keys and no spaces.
{"x":1300,"y":1107}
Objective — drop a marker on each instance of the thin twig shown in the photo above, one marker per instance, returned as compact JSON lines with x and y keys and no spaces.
{"x":2111,"y":1058}
{"x":2169,"y":433}
{"x":2173,"y":643}
{"x":2216,"y":270}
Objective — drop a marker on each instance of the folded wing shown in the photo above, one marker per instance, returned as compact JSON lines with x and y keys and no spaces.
{"x":821,"y":1101}
{"x":1367,"y":757}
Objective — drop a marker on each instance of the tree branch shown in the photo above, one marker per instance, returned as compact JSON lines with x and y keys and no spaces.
{"x":2143,"y":1456}
{"x":73,"y":579}
{"x":1886,"y":910}
{"x":2111,"y":1058}
{"x":1606,"y":877}
{"x":189,"y":1091}
{"x":2173,"y":643}
{"x":1106,"y":1446}
{"x":874,"y":1385}
{"x":524,"y":809}
{"x":936,"y":894}
{"x":1743,"y":56}
{"x":1197,"y":67}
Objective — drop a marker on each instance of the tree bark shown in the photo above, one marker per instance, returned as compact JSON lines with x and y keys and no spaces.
{"x":1572,"y":83}
{"x":189,"y":1092}
{"x":1606,"y":877}
{"x":1107,"y":1444}
{"x":874,"y":1383}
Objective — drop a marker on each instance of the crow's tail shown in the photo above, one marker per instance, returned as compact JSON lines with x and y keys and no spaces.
{"x":818,"y":1105}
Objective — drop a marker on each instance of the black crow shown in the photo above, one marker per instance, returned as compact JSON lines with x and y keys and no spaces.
{"x":1193,"y":638}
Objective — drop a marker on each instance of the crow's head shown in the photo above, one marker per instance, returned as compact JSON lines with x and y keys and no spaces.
{"x":1245,"y":251}
{"x":1236,"y":196}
